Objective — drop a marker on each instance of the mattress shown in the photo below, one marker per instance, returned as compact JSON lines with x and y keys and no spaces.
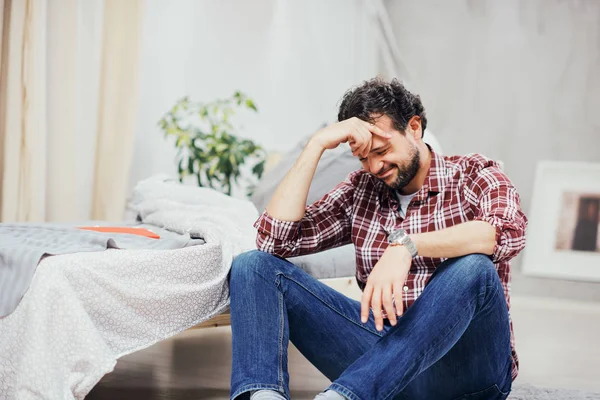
{"x":85,"y":310}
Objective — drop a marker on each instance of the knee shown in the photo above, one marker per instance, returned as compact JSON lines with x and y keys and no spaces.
{"x":248,"y":264}
{"x":472,"y":268}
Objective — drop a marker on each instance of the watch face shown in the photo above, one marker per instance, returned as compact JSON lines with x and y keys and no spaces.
{"x":396,"y":235}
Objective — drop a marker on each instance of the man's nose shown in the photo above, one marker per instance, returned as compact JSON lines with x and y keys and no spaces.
{"x":375,"y":164}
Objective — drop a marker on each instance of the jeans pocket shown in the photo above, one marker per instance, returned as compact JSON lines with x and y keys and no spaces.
{"x":491,"y":393}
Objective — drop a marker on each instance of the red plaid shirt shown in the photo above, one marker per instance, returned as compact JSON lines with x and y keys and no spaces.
{"x":363,"y":210}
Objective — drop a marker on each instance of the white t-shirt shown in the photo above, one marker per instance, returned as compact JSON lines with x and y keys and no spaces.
{"x":404,"y":201}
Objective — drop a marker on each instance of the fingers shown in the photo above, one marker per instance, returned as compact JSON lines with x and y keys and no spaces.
{"x":398,"y":300}
{"x":388,"y":306}
{"x":376,"y":306}
{"x":361,"y":136}
{"x":360,"y":149}
{"x":365,"y":149}
{"x":364,"y":138}
{"x":378,"y":299}
{"x":375,"y":130}
{"x":365,"y":302}
{"x":371,"y":296}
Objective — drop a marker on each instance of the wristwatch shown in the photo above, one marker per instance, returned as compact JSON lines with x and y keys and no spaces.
{"x":399,"y":237}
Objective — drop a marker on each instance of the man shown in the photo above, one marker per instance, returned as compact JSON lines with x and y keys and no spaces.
{"x":433,"y":238}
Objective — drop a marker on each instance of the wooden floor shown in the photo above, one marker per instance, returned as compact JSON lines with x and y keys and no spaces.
{"x":193,"y":365}
{"x":557,"y":342}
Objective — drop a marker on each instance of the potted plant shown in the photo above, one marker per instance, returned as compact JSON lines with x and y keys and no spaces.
{"x":208,"y":145}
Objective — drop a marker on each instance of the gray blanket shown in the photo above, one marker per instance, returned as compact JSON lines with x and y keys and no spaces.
{"x":22,"y":246}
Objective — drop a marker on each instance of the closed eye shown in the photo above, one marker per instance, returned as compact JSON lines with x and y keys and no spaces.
{"x":379,"y":153}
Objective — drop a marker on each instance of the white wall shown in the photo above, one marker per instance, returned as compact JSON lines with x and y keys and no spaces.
{"x":515,"y":80}
{"x":295,"y":59}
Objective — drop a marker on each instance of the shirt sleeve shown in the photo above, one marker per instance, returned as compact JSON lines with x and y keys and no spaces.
{"x":326,"y":224}
{"x":495,"y":200}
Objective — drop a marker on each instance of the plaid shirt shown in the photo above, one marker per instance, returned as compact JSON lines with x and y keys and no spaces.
{"x":363,"y":210}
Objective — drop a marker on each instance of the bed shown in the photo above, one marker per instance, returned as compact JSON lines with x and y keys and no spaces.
{"x":84,"y":310}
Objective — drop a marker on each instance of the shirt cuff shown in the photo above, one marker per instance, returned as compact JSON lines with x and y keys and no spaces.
{"x":277,"y":228}
{"x":498,"y":224}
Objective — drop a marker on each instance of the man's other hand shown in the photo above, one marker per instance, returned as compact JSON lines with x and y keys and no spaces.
{"x":385,"y":282}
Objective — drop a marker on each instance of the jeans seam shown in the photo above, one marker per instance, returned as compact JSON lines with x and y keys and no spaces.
{"x":482,"y":293}
{"x":495,"y":289}
{"x":280,"y":350}
{"x":424,"y":354}
{"x":330,"y":306}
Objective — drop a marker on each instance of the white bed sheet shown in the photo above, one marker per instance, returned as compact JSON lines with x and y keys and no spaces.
{"x":83,"y":311}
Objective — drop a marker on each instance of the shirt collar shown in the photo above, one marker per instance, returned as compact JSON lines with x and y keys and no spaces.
{"x":437,"y":175}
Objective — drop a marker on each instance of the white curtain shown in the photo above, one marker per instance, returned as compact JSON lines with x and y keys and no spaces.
{"x":23,"y":110}
{"x":54,"y":108}
{"x":118,"y":100}
{"x":74,"y":47}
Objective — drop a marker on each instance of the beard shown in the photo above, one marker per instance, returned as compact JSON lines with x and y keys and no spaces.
{"x":406,"y":172}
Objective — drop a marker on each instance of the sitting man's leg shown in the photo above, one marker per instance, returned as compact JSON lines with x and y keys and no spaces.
{"x":454,"y":341}
{"x":272,"y":301}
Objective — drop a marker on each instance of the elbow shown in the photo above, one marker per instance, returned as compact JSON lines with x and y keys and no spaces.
{"x":509,"y":247}
{"x":261,"y":239}
{"x":489,"y":247}
{"x":276,"y":247}
{"x":502,"y":241}
{"x":490,"y":237}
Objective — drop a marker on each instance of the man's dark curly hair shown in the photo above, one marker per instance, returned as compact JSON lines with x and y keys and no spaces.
{"x":377,"y":97}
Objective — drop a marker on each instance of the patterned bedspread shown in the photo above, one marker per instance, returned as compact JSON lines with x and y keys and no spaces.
{"x":84,"y":310}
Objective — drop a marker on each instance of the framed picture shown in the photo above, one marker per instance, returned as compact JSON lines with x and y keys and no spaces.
{"x":563,"y":235}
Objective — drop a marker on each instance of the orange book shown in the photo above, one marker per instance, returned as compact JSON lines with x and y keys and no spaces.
{"x":122,"y":229}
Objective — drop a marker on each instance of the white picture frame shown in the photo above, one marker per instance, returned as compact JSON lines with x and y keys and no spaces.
{"x":566,"y":197}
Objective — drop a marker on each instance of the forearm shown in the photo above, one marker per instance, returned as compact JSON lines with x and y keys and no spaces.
{"x":467,"y":238}
{"x":289,"y":200}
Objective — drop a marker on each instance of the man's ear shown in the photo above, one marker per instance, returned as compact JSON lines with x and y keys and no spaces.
{"x":414,"y":127}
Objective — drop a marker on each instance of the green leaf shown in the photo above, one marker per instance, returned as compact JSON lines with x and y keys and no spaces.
{"x":221,"y":147}
{"x":180,"y":170}
{"x":258,"y":169}
{"x":250,"y":104}
{"x":213,"y":169}
{"x":190,"y":166}
{"x":203,"y":112}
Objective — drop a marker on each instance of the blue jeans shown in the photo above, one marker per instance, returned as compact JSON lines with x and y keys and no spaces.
{"x":452,"y":343}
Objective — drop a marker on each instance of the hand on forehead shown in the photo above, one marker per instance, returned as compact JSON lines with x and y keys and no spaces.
{"x":378,"y":141}
{"x":384,"y":123}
